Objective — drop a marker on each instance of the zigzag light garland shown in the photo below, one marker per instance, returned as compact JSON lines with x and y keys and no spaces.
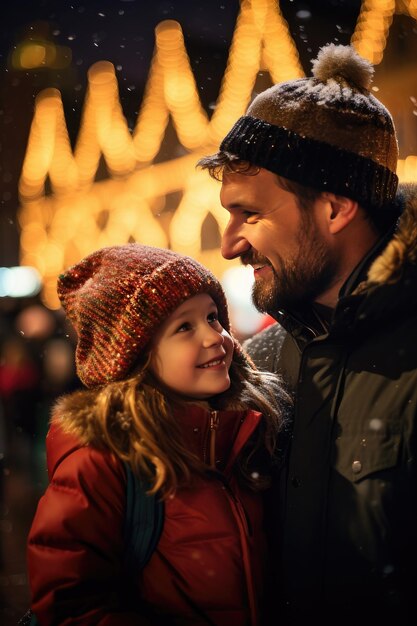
{"x":82,"y":215}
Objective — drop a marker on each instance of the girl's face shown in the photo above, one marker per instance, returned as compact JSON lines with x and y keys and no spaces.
{"x":191,"y":352}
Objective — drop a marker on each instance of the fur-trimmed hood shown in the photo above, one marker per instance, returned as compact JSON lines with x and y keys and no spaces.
{"x":402,"y":248}
{"x":389,"y":291}
{"x":76,"y":415}
{"x":72,"y":414}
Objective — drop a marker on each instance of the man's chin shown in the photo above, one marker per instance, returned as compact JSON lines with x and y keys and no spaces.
{"x":264,"y":298}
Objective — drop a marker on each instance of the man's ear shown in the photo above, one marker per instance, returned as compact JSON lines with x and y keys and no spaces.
{"x":340,"y":211}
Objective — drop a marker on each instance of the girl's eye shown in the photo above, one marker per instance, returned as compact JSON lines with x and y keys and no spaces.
{"x":213,"y":317}
{"x":184,"y":327}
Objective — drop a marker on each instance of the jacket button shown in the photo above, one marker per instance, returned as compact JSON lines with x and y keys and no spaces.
{"x":356,"y":467}
{"x":295,"y":481}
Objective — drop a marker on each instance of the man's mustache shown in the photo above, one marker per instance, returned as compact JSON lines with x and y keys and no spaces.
{"x":253,"y":258}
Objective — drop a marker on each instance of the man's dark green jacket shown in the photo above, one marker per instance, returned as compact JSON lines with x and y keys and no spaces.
{"x":346,"y":500}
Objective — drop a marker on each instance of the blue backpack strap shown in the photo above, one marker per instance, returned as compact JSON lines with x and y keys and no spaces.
{"x":143,"y":526}
{"x":143,"y":523}
{"x":28,"y":619}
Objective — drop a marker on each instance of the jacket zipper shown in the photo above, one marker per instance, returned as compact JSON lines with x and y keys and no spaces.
{"x":240,"y":514}
{"x":245,"y":531}
{"x":214,"y":423}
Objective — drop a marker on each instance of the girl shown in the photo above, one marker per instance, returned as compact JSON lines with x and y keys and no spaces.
{"x":173,"y":395}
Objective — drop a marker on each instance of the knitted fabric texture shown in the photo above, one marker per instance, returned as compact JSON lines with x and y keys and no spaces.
{"x":327,"y":132}
{"x":117,"y":297}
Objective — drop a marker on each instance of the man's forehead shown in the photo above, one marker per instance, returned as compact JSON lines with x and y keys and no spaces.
{"x":257,"y":179}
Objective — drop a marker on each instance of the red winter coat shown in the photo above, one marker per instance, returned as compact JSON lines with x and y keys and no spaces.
{"x":208,"y":567}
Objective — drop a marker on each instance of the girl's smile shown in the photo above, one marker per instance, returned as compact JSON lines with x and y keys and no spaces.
{"x":191,"y":351}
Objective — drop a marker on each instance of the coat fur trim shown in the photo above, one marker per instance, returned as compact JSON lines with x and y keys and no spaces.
{"x":402,"y":248}
{"x":75,"y":413}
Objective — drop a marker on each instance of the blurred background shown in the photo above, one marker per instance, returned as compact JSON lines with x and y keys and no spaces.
{"x":105,"y":108}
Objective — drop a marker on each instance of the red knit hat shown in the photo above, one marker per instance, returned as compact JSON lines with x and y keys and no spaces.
{"x":117,"y":297}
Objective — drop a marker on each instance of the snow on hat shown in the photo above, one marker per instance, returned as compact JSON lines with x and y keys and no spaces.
{"x":327,"y":132}
{"x":117,"y":297}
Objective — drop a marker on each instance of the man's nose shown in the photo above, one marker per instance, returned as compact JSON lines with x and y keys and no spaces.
{"x":233,"y":243}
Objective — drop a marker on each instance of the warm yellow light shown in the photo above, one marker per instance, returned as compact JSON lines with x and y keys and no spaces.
{"x":81,"y":214}
{"x":407,"y":169}
{"x":32,"y":55}
{"x":369,"y":37}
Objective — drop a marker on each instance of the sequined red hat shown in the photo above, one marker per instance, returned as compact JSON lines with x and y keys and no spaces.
{"x":117,"y":297}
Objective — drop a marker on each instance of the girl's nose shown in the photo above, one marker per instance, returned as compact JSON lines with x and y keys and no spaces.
{"x":212,"y":337}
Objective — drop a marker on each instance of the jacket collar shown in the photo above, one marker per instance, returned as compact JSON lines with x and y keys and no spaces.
{"x":401,"y":249}
{"x":360,"y":272}
{"x":233,"y":429}
{"x":72,"y":415}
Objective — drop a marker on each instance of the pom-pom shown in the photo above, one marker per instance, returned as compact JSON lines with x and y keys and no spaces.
{"x":334,"y":61}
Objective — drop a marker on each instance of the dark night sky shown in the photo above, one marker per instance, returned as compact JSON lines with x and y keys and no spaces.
{"x":122,"y":31}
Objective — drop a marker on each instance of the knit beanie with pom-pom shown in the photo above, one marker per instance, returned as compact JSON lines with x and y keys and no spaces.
{"x":327,"y":132}
{"x":117,"y":297}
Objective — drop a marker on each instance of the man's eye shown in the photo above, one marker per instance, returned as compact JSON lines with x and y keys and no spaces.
{"x":250,"y":216}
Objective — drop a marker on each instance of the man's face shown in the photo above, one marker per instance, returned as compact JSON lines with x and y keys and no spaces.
{"x":288,"y":247}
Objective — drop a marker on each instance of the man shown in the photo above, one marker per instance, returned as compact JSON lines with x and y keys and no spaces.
{"x":308,"y":177}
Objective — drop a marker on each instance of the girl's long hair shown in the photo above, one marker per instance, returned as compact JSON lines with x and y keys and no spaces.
{"x":134,"y":418}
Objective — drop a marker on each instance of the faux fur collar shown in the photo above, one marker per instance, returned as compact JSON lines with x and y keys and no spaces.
{"x":402,"y":248}
{"x":74,"y":414}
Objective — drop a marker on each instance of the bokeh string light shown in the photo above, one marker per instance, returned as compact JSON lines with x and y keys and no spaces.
{"x":81,"y":214}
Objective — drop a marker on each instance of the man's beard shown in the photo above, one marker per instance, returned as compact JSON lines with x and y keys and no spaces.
{"x":297,"y":281}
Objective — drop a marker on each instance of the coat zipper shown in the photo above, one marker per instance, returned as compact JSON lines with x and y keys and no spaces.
{"x":214,"y":424}
{"x":245,"y":532}
{"x":240,"y":515}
